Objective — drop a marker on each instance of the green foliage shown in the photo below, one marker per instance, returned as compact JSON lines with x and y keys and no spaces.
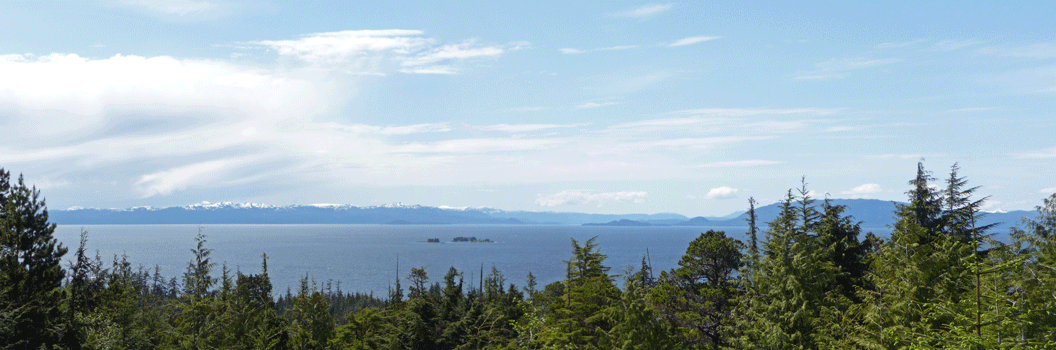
{"x":311,"y":326}
{"x":31,"y":294}
{"x":939,"y":281}
{"x":698,"y":297}
{"x":839,"y":235}
{"x":926,"y":281}
{"x":575,"y":319}
{"x":784,"y":301}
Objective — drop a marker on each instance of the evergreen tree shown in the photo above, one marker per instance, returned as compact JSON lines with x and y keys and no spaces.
{"x":311,"y":326}
{"x":84,"y":288}
{"x":697,"y":298}
{"x":253,"y":322}
{"x":787,"y":303}
{"x":838,"y":233}
{"x":1034,"y":289}
{"x":925,"y":208}
{"x":575,"y":318}
{"x":198,"y":322}
{"x":920,"y":278}
{"x":636,"y":324}
{"x":753,"y":247}
{"x":31,"y":295}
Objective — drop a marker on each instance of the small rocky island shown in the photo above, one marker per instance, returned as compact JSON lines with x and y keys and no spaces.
{"x":434,"y":240}
{"x":471,"y":240}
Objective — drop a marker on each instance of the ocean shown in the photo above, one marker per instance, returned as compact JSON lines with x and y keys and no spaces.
{"x":363,"y":258}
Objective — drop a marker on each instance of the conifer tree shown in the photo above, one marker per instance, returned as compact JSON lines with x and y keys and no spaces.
{"x":919,"y":279}
{"x":575,"y":319}
{"x":697,"y":298}
{"x":838,"y":234}
{"x":1035,"y":289}
{"x":635,"y":323}
{"x":784,"y":303}
{"x":31,"y":276}
{"x":925,"y":208}
{"x":311,"y":326}
{"x":753,"y":247}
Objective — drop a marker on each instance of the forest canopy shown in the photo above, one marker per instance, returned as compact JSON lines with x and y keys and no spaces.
{"x":809,"y":279}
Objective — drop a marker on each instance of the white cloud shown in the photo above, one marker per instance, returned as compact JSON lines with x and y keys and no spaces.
{"x":739,"y":163}
{"x":443,"y":70}
{"x":63,"y":94}
{"x":526,"y":109}
{"x":1049,"y":190}
{"x":46,"y":183}
{"x":991,"y":206}
{"x":688,"y":143}
{"x":1041,"y":154}
{"x":166,"y":182}
{"x":573,"y":51}
{"x":453,"y":52}
{"x":972,"y":110}
{"x":863,"y":190}
{"x":482,"y":145}
{"x":895,"y":45}
{"x":840,"y":128}
{"x":692,"y":40}
{"x":745,"y":112}
{"x":337,"y":47}
{"x":368,"y":51}
{"x":581,"y":197}
{"x":1035,"y":80}
{"x":842,"y":68}
{"x":1039,"y":50}
{"x":519,"y":128}
{"x":589,"y":105}
{"x":168,"y":127}
{"x":715,"y":117}
{"x":171,"y":7}
{"x":723,"y":192}
{"x":951,"y":45}
{"x":392,"y":130}
{"x":903,"y":156}
{"x":646,"y":11}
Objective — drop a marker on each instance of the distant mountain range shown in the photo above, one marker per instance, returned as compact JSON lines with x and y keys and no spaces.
{"x":872,"y":213}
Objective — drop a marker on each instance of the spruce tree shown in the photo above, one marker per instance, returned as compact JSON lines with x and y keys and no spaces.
{"x":575,"y":318}
{"x":1035,"y":290}
{"x":838,"y":234}
{"x":919,"y":279}
{"x":925,"y":208}
{"x":31,"y":277}
{"x":787,"y":300}
{"x":753,"y":247}
{"x":697,"y":298}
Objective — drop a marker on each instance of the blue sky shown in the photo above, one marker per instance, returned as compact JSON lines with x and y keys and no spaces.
{"x":605,"y":107}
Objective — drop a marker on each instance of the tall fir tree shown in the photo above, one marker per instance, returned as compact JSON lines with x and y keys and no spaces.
{"x":753,"y":229}
{"x":1034,"y":287}
{"x":31,"y":294}
{"x":786,"y":301}
{"x":919,"y":279}
{"x":575,"y":319}
{"x":698,"y":297}
{"x":838,"y":234}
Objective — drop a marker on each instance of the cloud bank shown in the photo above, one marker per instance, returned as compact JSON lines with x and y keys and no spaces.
{"x":372,"y":51}
{"x":582,"y":197}
{"x":723,"y":192}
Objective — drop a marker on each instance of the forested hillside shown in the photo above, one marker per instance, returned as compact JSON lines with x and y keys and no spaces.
{"x":808,"y":279}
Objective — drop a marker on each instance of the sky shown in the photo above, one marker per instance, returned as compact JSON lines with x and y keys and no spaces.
{"x":589,"y":106}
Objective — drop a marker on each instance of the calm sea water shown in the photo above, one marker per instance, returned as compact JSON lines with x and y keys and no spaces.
{"x":363,"y":257}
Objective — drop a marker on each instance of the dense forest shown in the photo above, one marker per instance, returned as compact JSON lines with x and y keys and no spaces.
{"x":810,"y":279}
